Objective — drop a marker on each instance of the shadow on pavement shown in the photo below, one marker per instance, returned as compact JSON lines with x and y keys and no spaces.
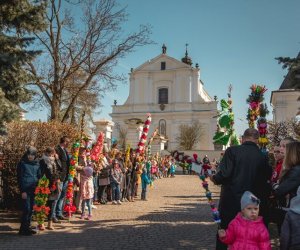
{"x":178,"y":227}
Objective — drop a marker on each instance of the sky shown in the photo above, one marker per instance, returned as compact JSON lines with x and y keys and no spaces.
{"x":233,"y":41}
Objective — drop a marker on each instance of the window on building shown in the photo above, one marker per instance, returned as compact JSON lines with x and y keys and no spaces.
{"x":163,"y":65}
{"x":163,"y":96}
{"x":162,"y":127}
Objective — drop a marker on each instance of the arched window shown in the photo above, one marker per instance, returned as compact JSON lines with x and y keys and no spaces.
{"x":163,"y":96}
{"x":162,"y":127}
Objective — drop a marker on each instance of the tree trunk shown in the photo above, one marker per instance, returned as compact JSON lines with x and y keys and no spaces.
{"x":55,"y":108}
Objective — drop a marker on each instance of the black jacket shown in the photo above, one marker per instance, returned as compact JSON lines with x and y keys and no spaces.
{"x":290,"y":232}
{"x":288,"y":185}
{"x":243,"y":168}
{"x":65,"y":162}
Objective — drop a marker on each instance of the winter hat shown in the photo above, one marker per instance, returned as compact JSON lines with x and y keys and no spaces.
{"x":115,"y":161}
{"x":249,"y":199}
{"x":88,"y":171}
{"x":295,"y":203}
{"x":31,"y":151}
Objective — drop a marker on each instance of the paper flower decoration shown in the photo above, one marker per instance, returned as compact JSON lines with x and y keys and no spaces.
{"x":98,"y":148}
{"x":69,"y":208}
{"x":141,"y":145}
{"x":208,"y":194}
{"x":225,"y":133}
{"x":41,"y":192}
{"x":254,"y":100}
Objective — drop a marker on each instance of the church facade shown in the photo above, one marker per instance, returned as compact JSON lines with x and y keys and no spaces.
{"x":172,"y":92}
{"x":286,"y":100}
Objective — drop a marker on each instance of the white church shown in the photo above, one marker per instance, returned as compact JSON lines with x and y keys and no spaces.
{"x":173,"y":93}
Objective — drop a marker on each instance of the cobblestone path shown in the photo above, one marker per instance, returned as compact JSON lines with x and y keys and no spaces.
{"x":176,"y":216}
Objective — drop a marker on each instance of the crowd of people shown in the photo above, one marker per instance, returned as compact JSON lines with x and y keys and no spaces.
{"x":112,"y":179}
{"x":254,"y":191}
{"x":250,"y":186}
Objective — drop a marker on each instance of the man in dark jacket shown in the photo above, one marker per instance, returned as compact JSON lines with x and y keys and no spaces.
{"x":64,"y":158}
{"x":243,"y":168}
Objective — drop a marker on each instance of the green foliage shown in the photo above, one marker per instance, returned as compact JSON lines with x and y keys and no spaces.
{"x":225,"y":133}
{"x":224,"y":104}
{"x":289,"y":63}
{"x":19,"y":136}
{"x":18,"y":19}
{"x":224,"y":121}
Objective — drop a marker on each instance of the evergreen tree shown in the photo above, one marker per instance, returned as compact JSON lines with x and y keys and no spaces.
{"x":19,"y":19}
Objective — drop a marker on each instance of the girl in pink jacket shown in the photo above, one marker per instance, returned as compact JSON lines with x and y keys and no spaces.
{"x":247,"y":230}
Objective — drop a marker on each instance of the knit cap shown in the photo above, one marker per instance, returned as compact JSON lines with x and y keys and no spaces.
{"x":249,"y":199}
{"x":295,"y":203}
{"x":88,"y":171}
{"x":31,"y":151}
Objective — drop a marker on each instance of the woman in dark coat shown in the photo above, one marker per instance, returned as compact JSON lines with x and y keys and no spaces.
{"x":28,"y":173}
{"x":289,"y":179}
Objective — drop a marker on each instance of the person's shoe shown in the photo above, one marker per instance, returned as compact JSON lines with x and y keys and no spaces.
{"x":25,"y":233}
{"x":82,"y":216}
{"x":50,"y":225}
{"x":119,"y":202}
{"x":61,"y":217}
{"x":114,"y":202}
{"x":125,"y":200}
{"x":94,"y":207}
{"x":55,"y":220}
{"x":89,"y":217}
{"x":78,"y":212}
{"x":102,"y":202}
{"x":41,"y":227}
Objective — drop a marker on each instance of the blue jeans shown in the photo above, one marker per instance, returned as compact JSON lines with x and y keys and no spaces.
{"x":144,"y":190}
{"x":27,"y":205}
{"x":95,"y":182}
{"x":115,"y":188}
{"x":86,"y":202}
{"x":58,"y":204}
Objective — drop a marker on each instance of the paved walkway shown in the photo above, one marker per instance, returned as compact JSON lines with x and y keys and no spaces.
{"x":176,"y":216}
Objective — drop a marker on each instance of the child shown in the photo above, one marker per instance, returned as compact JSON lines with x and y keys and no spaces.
{"x":172,"y":168}
{"x":87,"y":190}
{"x":145,"y":182}
{"x":115,"y":181}
{"x":246,"y":230}
{"x":290,"y":230}
{"x":29,"y":172}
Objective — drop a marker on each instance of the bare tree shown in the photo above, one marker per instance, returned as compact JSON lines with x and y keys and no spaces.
{"x":279,"y":131}
{"x":90,"y":46}
{"x":189,"y":135}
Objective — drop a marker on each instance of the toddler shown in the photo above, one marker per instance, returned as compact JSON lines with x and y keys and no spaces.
{"x":87,"y":191}
{"x":246,"y":230}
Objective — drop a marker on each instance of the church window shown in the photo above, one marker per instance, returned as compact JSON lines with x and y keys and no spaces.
{"x":162,"y":127}
{"x":163,"y":96}
{"x":163,"y":65}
